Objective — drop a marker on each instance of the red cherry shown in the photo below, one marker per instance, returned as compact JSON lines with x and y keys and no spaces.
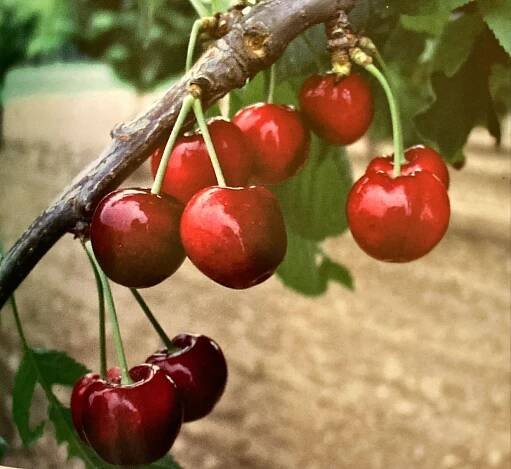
{"x":235,"y":236}
{"x":199,"y":371}
{"x":278,"y":138}
{"x":79,"y":400}
{"x":339,"y":110}
{"x":420,"y":158}
{"x":190,"y":170}
{"x":398,"y":219}
{"x":135,"y":237}
{"x":136,"y":423}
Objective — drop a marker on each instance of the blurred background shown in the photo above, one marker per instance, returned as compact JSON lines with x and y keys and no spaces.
{"x":410,"y":368}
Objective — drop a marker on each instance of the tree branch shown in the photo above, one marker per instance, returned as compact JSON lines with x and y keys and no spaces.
{"x":254,"y":42}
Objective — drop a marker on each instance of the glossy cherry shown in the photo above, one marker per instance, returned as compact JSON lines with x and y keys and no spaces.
{"x":135,"y":237}
{"x":339,"y":110}
{"x":79,"y":401}
{"x":136,"y":423}
{"x":398,"y":219}
{"x":278,"y":138}
{"x":420,"y":158}
{"x":190,"y":170}
{"x":235,"y":236}
{"x":199,"y":370}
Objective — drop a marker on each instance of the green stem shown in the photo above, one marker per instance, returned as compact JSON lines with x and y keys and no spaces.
{"x":101,"y":303}
{"x":271,"y":86}
{"x":162,"y":168}
{"x":199,"y":8}
{"x":119,"y":348}
{"x":152,"y":319}
{"x":199,"y":114}
{"x":399,"y":155}
{"x":194,"y":34}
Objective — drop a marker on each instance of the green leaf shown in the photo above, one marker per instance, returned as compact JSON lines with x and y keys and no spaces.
{"x":500,"y":86}
{"x":313,"y":201}
{"x":57,"y":367}
{"x":22,"y":394}
{"x":497,"y":15}
{"x":456,"y":42}
{"x":3,"y":448}
{"x":336,"y":272}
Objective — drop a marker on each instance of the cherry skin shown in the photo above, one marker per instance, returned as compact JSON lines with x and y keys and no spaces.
{"x":136,"y":423}
{"x":199,"y":370}
{"x":338,"y":110}
{"x":398,"y":219}
{"x":420,"y":158}
{"x":135,"y":237}
{"x":278,"y":138}
{"x":190,"y":170}
{"x":79,"y":401}
{"x":235,"y":236}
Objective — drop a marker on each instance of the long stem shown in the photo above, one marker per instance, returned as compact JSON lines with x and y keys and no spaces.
{"x":199,"y":8}
{"x":101,"y":305}
{"x":197,"y":25}
{"x":399,"y":155}
{"x":271,"y":86}
{"x":162,"y":168}
{"x":152,"y":319}
{"x":119,"y":348}
{"x":199,"y":114}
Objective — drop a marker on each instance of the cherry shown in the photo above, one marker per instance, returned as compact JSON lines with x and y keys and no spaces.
{"x":278,"y":138}
{"x":235,"y":236}
{"x":420,"y":158}
{"x":189,"y":169}
{"x":199,"y":370}
{"x":79,"y":401}
{"x":339,"y":110}
{"x":136,"y":423}
{"x":398,"y":219}
{"x":135,"y":237}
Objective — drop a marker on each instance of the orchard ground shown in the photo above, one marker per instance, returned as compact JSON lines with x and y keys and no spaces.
{"x":409,"y":370}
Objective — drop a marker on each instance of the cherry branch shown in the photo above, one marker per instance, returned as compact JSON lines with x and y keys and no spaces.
{"x":256,"y":40}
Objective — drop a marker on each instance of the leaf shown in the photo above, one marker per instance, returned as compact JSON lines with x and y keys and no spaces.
{"x":57,"y":367}
{"x":336,"y":272}
{"x":3,"y":448}
{"x":313,"y":201}
{"x":22,"y":394}
{"x":456,"y":42}
{"x":497,"y":15}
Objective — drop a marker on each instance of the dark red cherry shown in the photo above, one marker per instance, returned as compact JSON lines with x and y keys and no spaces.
{"x":199,"y":371}
{"x":189,"y":169}
{"x":339,"y":110}
{"x":398,"y":219}
{"x":79,"y":401}
{"x":420,"y":158}
{"x":235,"y":236}
{"x":136,"y":423}
{"x":278,"y":138}
{"x":135,"y":237}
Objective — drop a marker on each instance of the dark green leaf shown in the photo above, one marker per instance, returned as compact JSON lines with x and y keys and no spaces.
{"x":3,"y":448}
{"x":57,"y":367}
{"x":313,"y":201}
{"x":336,"y":272}
{"x":22,"y":394}
{"x":497,"y":15}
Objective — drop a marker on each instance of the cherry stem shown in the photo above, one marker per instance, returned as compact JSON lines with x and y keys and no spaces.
{"x":199,"y":8}
{"x":399,"y":154}
{"x":14,"y":306}
{"x":196,"y":28}
{"x":199,"y":114}
{"x":162,"y":168}
{"x":101,"y":304}
{"x":271,"y":86}
{"x":152,"y":319}
{"x":119,"y":348}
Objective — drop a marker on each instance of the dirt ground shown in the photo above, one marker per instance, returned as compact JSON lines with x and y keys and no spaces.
{"x":411,"y":370}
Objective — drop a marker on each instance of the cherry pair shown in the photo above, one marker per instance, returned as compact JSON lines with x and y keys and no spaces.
{"x":399,"y":219}
{"x":131,"y":424}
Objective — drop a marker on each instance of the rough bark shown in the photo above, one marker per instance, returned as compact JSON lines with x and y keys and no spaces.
{"x":252,"y":44}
